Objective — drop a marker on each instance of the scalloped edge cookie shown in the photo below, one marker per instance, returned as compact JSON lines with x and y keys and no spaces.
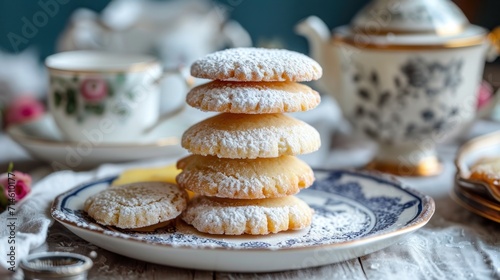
{"x":253,"y":97}
{"x":244,"y":178}
{"x":249,"y":216}
{"x":137,"y":205}
{"x":257,"y":65}
{"x":251,"y":136}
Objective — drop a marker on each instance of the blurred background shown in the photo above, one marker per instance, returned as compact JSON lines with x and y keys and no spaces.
{"x":267,"y":22}
{"x":175,"y":31}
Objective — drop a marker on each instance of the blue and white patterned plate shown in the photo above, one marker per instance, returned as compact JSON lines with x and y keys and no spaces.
{"x":356,"y":213}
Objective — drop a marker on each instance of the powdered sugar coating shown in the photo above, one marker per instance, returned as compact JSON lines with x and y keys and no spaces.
{"x":253,"y":97}
{"x":137,"y":205}
{"x":251,"y":136}
{"x":256,"y":216}
{"x":244,"y":178}
{"x":257,"y":65}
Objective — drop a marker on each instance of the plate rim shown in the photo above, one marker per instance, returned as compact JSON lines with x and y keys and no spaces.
{"x":417,"y":222}
{"x":477,"y":198}
{"x":455,"y":194}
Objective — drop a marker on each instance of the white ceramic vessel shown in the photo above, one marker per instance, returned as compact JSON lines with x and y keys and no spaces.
{"x":406,"y":75}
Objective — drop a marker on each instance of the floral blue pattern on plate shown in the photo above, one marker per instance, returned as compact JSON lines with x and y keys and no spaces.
{"x":356,"y":213}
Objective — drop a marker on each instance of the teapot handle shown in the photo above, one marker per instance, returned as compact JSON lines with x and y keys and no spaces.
{"x":236,"y":35}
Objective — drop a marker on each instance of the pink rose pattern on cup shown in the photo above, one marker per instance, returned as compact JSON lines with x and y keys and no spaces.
{"x":94,"y":89}
{"x":89,"y":95}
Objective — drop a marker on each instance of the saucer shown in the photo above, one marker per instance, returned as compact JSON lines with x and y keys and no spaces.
{"x":42,"y":140}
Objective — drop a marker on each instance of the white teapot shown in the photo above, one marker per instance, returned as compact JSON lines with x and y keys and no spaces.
{"x":178,"y":32}
{"x":405,"y":74}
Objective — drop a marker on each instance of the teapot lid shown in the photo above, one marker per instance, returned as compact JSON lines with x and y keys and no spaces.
{"x":440,"y":17}
{"x":413,"y":24}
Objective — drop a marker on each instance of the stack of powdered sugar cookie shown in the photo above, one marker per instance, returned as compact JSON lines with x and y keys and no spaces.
{"x":243,"y":166}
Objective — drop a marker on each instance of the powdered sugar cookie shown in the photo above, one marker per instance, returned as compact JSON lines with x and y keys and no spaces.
{"x":137,"y":205}
{"x":257,"y":65}
{"x":251,"y":136}
{"x":244,"y":178}
{"x":251,"y":216}
{"x":253,"y":97}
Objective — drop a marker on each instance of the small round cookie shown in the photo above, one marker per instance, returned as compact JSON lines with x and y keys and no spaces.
{"x":257,"y":65}
{"x":253,"y":97}
{"x":251,"y":216}
{"x":251,"y":136}
{"x":244,"y":178}
{"x":137,"y":205}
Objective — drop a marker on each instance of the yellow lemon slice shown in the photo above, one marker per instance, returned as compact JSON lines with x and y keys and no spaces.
{"x":156,"y":174}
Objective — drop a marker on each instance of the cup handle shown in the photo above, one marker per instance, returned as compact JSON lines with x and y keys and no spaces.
{"x":189,"y":82}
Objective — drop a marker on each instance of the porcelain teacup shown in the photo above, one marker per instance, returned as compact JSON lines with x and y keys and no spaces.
{"x":105,"y":97}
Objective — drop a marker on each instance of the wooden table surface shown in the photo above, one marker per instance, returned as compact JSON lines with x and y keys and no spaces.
{"x":108,"y":265}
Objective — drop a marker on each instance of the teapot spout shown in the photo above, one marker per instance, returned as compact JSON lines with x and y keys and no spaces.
{"x":318,"y":36}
